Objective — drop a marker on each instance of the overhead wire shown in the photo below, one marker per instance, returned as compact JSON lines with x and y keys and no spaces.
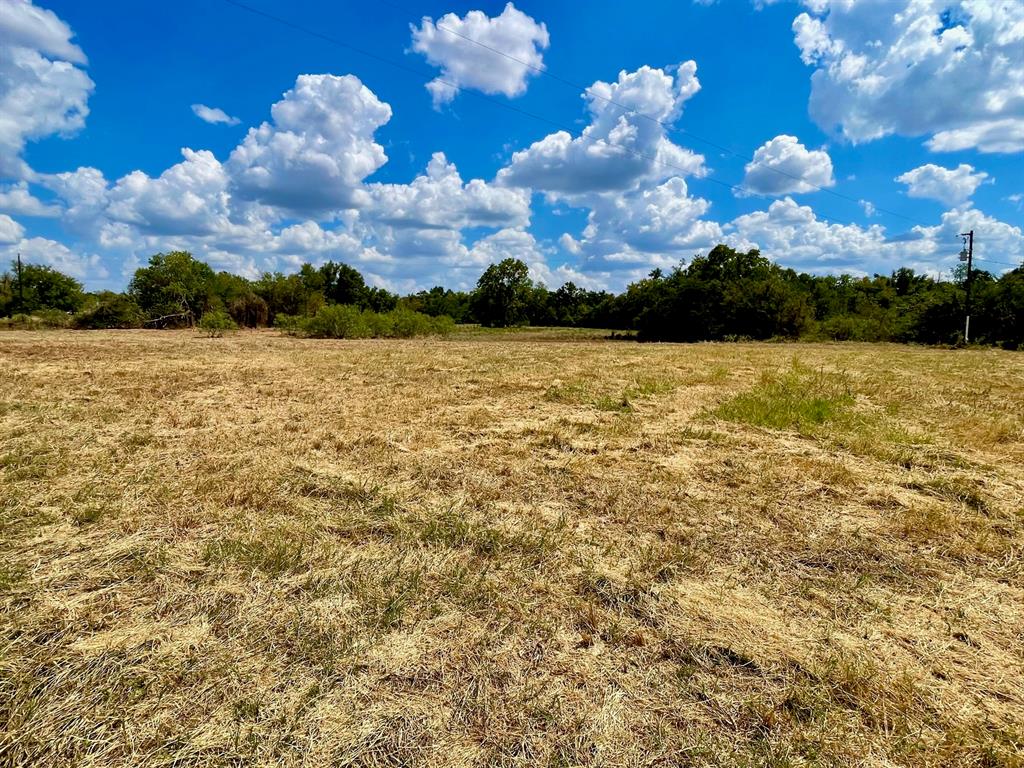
{"x":585,"y":90}
{"x":671,"y":127}
{"x":431,"y":76}
{"x":996,"y":261}
{"x":557,"y":124}
{"x":554,"y":123}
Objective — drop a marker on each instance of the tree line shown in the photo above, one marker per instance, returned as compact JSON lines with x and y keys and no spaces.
{"x":723,"y":295}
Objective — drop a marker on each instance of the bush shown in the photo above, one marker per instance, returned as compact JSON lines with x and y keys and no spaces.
{"x":43,"y":319}
{"x":852,"y":328}
{"x":345,"y":321}
{"x":290,"y":324}
{"x":249,"y":310}
{"x":338,"y":321}
{"x":381,"y":325}
{"x":442,"y":325}
{"x":113,"y":311}
{"x":215,"y":323}
{"x":408,"y":324}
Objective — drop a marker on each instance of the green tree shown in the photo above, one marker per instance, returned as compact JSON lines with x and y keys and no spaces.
{"x":236,"y":295}
{"x":175,"y":289}
{"x":40,"y":288}
{"x":503,"y":294}
{"x":7,"y":300}
{"x":343,"y":284}
{"x":1005,"y":306}
{"x":288,"y":295}
{"x":440,"y":301}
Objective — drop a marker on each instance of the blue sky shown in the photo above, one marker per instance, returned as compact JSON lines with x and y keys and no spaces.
{"x":847,"y":136}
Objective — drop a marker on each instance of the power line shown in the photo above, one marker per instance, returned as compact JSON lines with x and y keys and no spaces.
{"x":996,"y":261}
{"x":503,"y":104}
{"x":671,"y":127}
{"x":667,"y":126}
{"x":562,"y":126}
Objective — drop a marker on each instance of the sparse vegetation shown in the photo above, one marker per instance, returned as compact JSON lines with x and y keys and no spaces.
{"x":508,"y":548}
{"x":216,"y":323}
{"x":724,"y":295}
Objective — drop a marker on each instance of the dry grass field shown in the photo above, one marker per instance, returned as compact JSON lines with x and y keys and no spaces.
{"x":508,"y":549}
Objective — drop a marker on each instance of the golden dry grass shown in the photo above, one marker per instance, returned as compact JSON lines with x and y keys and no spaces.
{"x":506,"y":550}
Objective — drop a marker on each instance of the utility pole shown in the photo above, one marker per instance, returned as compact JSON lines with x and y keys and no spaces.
{"x":21,"y":289}
{"x":968,"y":255}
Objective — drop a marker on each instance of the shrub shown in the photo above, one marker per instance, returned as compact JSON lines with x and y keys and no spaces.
{"x":381,"y":325}
{"x":39,"y":320}
{"x":113,"y":311}
{"x":408,"y":323}
{"x":215,"y":323}
{"x":853,"y":328}
{"x":288,"y":323}
{"x":338,"y":321}
{"x":345,"y":321}
{"x":442,"y":325}
{"x":249,"y":310}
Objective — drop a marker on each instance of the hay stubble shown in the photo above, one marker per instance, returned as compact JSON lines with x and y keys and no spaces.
{"x":508,"y":551}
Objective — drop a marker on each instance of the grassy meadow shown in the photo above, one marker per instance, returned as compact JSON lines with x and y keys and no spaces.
{"x":508,"y":549}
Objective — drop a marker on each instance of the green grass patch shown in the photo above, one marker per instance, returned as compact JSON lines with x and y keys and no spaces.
{"x":800,"y":399}
{"x":649,"y":387}
{"x":274,"y":554}
{"x":614,"y":404}
{"x":472,"y":331}
{"x":572,"y":392}
{"x":958,"y":489}
{"x":579,"y":393}
{"x":11,"y":575}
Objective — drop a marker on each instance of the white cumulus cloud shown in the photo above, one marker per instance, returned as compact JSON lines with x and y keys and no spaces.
{"x":624,"y":143}
{"x":319,"y":148}
{"x":240,"y":214}
{"x":188,"y":198}
{"x":10,"y":230}
{"x":951,"y":71}
{"x":517,"y":243}
{"x":84,"y":194}
{"x":40,"y":250}
{"x":651,"y":226}
{"x":950,"y":186}
{"x":440,"y":199}
{"x":785,"y":166}
{"x":999,"y":241}
{"x":214,"y":115}
{"x":17,"y":198}
{"x":42,"y":89}
{"x":27,"y":26}
{"x":794,"y":235}
{"x":493,"y":55}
